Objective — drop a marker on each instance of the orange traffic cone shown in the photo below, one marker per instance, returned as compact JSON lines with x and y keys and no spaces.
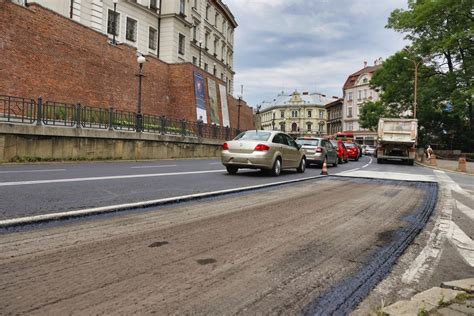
{"x":324,"y":169}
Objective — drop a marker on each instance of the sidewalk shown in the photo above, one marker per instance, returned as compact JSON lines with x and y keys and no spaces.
{"x":452,"y":298}
{"x":449,"y":165}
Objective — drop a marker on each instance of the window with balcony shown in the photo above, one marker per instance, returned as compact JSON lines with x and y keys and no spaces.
{"x":152,"y":38}
{"x":131,"y":33}
{"x":181,"y":44}
{"x":113,"y":22}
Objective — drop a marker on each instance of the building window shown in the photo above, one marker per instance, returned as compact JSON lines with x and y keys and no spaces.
{"x":310,"y":113}
{"x":349,"y":96}
{"x":282,"y":114}
{"x":349,"y":111}
{"x":206,"y":41}
{"x":131,"y":30}
{"x":294,"y":113}
{"x":360,"y":95}
{"x":365,"y":94}
{"x":321,"y":114}
{"x":181,"y":44}
{"x":365,"y":80}
{"x":195,"y":4}
{"x":216,"y":20}
{"x":153,"y":4}
{"x":216,"y":42}
{"x":182,"y":7}
{"x":206,"y":67}
{"x":208,"y":8}
{"x":152,"y":33}
{"x":194,"y":60}
{"x":294,"y":127}
{"x":308,"y":126}
{"x":113,"y":17}
{"x":195,"y":32}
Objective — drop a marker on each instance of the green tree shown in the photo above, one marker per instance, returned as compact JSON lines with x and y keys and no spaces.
{"x":441,"y":34}
{"x":370,"y":112}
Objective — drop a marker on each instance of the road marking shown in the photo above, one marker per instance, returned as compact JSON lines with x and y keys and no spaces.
{"x":162,"y":166}
{"x":386,"y":175}
{"x":365,"y":166}
{"x":469,"y":212}
{"x":26,"y":171}
{"x":464,"y":244}
{"x":143,"y":204}
{"x":215,"y":163}
{"x":5,"y":184}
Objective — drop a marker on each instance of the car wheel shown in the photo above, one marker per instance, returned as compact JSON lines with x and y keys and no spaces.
{"x":302,"y":167}
{"x":232,"y":170}
{"x":276,"y":169}
{"x":339,"y":160}
{"x":357,"y":159}
{"x":347,"y":160}
{"x":379,"y":160}
{"x":335,"y":163}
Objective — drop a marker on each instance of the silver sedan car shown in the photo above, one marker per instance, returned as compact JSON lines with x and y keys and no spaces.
{"x":266,"y":150}
{"x":317,"y":150}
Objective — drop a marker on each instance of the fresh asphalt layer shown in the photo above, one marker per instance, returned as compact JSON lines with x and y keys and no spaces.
{"x":32,"y":190}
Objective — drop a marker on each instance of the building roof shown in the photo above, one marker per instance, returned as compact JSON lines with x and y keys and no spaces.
{"x":350,"y":82}
{"x":338,"y":101}
{"x":297,"y":99}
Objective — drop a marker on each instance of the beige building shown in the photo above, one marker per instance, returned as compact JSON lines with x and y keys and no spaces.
{"x":298,"y":114}
{"x":356,"y":91}
{"x":196,"y":31}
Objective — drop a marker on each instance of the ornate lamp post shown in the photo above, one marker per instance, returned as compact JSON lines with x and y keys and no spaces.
{"x":114,"y":23}
{"x":239,"y":105}
{"x":139,"y":122}
{"x":416,"y":63}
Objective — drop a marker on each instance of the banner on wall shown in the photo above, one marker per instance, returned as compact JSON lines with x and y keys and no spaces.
{"x":199,"y":94}
{"x":224,"y":107}
{"x":211,"y":85}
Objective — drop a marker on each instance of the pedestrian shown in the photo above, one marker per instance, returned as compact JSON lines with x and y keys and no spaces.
{"x":429,"y":152}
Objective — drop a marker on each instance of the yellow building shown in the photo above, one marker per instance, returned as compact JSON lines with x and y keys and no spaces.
{"x":298,"y":114}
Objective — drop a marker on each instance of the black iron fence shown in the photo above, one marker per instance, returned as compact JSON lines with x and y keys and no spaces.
{"x":29,"y":111}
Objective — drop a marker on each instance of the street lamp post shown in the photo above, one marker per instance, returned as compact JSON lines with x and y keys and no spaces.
{"x":239,"y":105}
{"x":139,"y":121}
{"x":114,"y":23}
{"x":200,"y":53}
{"x":415,"y":83}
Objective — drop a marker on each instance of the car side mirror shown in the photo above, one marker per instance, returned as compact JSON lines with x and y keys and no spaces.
{"x":298,"y":146}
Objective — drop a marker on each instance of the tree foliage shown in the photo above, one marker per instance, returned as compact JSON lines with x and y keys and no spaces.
{"x":441,"y":34}
{"x":370,"y":112}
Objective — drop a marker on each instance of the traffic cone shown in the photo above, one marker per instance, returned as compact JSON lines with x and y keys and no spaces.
{"x":324,"y":169}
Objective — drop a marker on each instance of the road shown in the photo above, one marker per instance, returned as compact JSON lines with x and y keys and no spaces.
{"x":251,"y":253}
{"x":40,"y":189}
{"x":274,"y":250}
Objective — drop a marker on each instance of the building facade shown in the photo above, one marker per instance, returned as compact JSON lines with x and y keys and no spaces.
{"x":334,"y":113}
{"x":356,"y":92}
{"x":298,"y":114}
{"x":175,"y":31}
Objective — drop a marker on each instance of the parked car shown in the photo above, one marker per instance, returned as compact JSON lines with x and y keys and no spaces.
{"x":266,"y":150}
{"x":317,"y":149}
{"x":369,"y":150}
{"x":361,"y":152}
{"x":352,"y":150}
{"x":341,"y":150}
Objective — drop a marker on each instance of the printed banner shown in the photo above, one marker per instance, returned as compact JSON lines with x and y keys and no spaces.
{"x":199,"y":94}
{"x":211,"y":85}
{"x":224,"y":107}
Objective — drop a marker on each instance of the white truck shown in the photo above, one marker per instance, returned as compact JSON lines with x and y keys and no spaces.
{"x":397,"y":140}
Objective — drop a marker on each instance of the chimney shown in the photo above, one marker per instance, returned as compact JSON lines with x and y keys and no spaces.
{"x":365,"y":63}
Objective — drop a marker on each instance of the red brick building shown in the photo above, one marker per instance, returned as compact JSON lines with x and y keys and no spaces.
{"x":44,"y":54}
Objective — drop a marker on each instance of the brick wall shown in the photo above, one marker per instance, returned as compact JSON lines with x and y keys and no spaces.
{"x":45,"y":54}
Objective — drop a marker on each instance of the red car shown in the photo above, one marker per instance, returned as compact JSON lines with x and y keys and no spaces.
{"x":342,"y":153}
{"x":353,"y":151}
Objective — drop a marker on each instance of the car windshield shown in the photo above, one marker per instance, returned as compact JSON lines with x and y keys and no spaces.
{"x":349,"y":145}
{"x":307,"y":142}
{"x":253,"y":135}
{"x":334,"y":143}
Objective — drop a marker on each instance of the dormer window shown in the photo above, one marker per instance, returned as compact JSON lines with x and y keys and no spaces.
{"x":365,"y":80}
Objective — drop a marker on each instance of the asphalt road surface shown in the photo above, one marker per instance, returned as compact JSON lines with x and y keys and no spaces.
{"x":268,"y":252}
{"x":27,"y":190}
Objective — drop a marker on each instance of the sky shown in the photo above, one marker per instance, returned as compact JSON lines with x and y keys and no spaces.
{"x":307,"y":45}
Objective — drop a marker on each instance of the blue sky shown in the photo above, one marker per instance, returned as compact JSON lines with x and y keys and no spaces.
{"x":308,"y":45}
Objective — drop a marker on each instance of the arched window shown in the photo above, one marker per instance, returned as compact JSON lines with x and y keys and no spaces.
{"x":294,"y":127}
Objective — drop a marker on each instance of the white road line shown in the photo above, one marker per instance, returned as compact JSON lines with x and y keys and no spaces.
{"x":215,"y":163}
{"x":466,"y":210}
{"x":144,"y":167}
{"x":129,"y":206}
{"x":26,"y":171}
{"x":464,"y":244}
{"x":365,"y":166}
{"x":5,"y":184}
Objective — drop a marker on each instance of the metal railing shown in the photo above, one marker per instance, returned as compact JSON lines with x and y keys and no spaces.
{"x":51,"y":113}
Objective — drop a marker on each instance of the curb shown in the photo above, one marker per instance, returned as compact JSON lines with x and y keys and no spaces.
{"x":442,"y":169}
{"x":22,"y":221}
